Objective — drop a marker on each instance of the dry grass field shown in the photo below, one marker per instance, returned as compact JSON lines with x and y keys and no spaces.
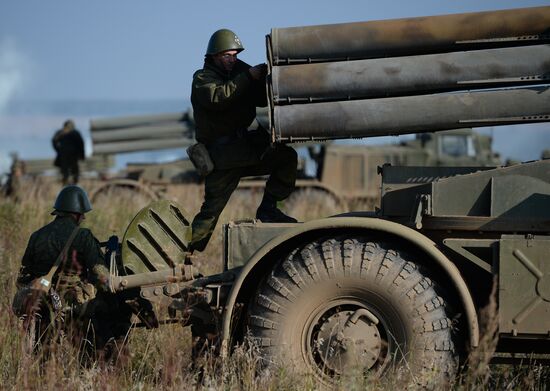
{"x":160,"y":359}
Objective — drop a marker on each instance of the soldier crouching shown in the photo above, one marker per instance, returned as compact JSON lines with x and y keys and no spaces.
{"x":63,"y":282}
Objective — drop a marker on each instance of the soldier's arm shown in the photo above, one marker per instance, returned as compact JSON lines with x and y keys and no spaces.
{"x":80,"y":144}
{"x":259,"y":93}
{"x":25,"y":272}
{"x":97,"y":271}
{"x":54,"y":141}
{"x":216,"y":95}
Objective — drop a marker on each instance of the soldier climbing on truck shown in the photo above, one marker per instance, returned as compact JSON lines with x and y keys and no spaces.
{"x":225,"y":95}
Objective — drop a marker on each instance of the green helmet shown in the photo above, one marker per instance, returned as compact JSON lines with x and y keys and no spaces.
{"x":223,"y":40}
{"x":72,"y":199}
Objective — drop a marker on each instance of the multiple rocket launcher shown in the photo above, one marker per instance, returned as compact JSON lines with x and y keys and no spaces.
{"x":386,"y":77}
{"x":409,"y":75}
{"x":141,"y":133}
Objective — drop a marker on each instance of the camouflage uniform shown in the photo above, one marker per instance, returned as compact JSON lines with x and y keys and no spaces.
{"x":84,"y":261}
{"x":224,"y":105}
{"x":73,"y":281}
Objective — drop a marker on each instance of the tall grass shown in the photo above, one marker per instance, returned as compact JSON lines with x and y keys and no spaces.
{"x":160,"y":359}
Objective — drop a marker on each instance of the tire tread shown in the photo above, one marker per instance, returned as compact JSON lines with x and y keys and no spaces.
{"x":338,"y":259}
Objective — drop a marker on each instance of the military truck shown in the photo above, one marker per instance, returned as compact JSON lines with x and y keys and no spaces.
{"x":348,"y":173}
{"x":404,"y":286}
{"x":92,"y":164}
{"x":343,"y":175}
{"x":14,"y":171}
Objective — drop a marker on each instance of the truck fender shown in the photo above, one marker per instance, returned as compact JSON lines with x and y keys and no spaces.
{"x":374,"y":224}
{"x":124,"y":183}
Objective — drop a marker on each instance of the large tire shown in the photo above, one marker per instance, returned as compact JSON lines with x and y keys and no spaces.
{"x":350,"y":303}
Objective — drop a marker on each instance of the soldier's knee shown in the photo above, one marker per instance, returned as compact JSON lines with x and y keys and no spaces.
{"x":214,"y":202}
{"x":288,"y":155}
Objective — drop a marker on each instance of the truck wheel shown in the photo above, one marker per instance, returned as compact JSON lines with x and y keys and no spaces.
{"x":350,"y":303}
{"x":133,"y":187}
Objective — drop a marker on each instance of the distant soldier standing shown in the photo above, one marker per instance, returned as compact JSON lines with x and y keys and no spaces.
{"x":225,"y":94}
{"x":69,"y":146}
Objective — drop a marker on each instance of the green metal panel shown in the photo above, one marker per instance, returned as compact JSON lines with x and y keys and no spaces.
{"x":520,"y":192}
{"x":486,"y":192}
{"x":157,"y":238}
{"x":524,"y":285}
{"x":401,"y":185}
{"x":515,"y":196}
{"x":464,"y":246}
{"x":243,"y":238}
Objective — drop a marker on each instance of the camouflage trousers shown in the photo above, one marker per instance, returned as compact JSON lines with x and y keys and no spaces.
{"x":248,"y":156}
{"x":89,"y":323}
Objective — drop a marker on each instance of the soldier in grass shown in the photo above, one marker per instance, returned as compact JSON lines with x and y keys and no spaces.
{"x":62,"y":268}
{"x":225,"y":94}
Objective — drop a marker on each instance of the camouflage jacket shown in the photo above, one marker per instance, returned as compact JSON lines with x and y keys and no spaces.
{"x":224,"y":103}
{"x":84,"y":261}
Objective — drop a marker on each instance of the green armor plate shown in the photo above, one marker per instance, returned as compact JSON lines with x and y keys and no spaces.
{"x":157,"y":238}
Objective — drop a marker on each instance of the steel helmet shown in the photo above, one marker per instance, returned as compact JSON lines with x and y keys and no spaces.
{"x":223,"y":40}
{"x":72,"y":199}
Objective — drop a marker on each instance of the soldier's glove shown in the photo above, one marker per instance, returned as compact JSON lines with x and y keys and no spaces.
{"x":258,"y":72}
{"x":104,"y":283}
{"x":103,"y":279}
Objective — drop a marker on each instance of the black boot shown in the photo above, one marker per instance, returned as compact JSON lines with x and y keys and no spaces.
{"x":269,"y":213}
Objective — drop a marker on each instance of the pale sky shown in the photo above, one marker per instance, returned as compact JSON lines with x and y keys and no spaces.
{"x":145,"y":49}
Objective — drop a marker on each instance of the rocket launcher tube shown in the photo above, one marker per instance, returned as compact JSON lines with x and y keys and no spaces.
{"x":141,"y":145}
{"x":398,"y":37}
{"x":411,"y":75}
{"x":410,"y":114}
{"x":135,"y":120}
{"x":162,"y":130}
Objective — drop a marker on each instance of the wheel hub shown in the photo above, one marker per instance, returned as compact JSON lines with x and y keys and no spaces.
{"x":346,"y":339}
